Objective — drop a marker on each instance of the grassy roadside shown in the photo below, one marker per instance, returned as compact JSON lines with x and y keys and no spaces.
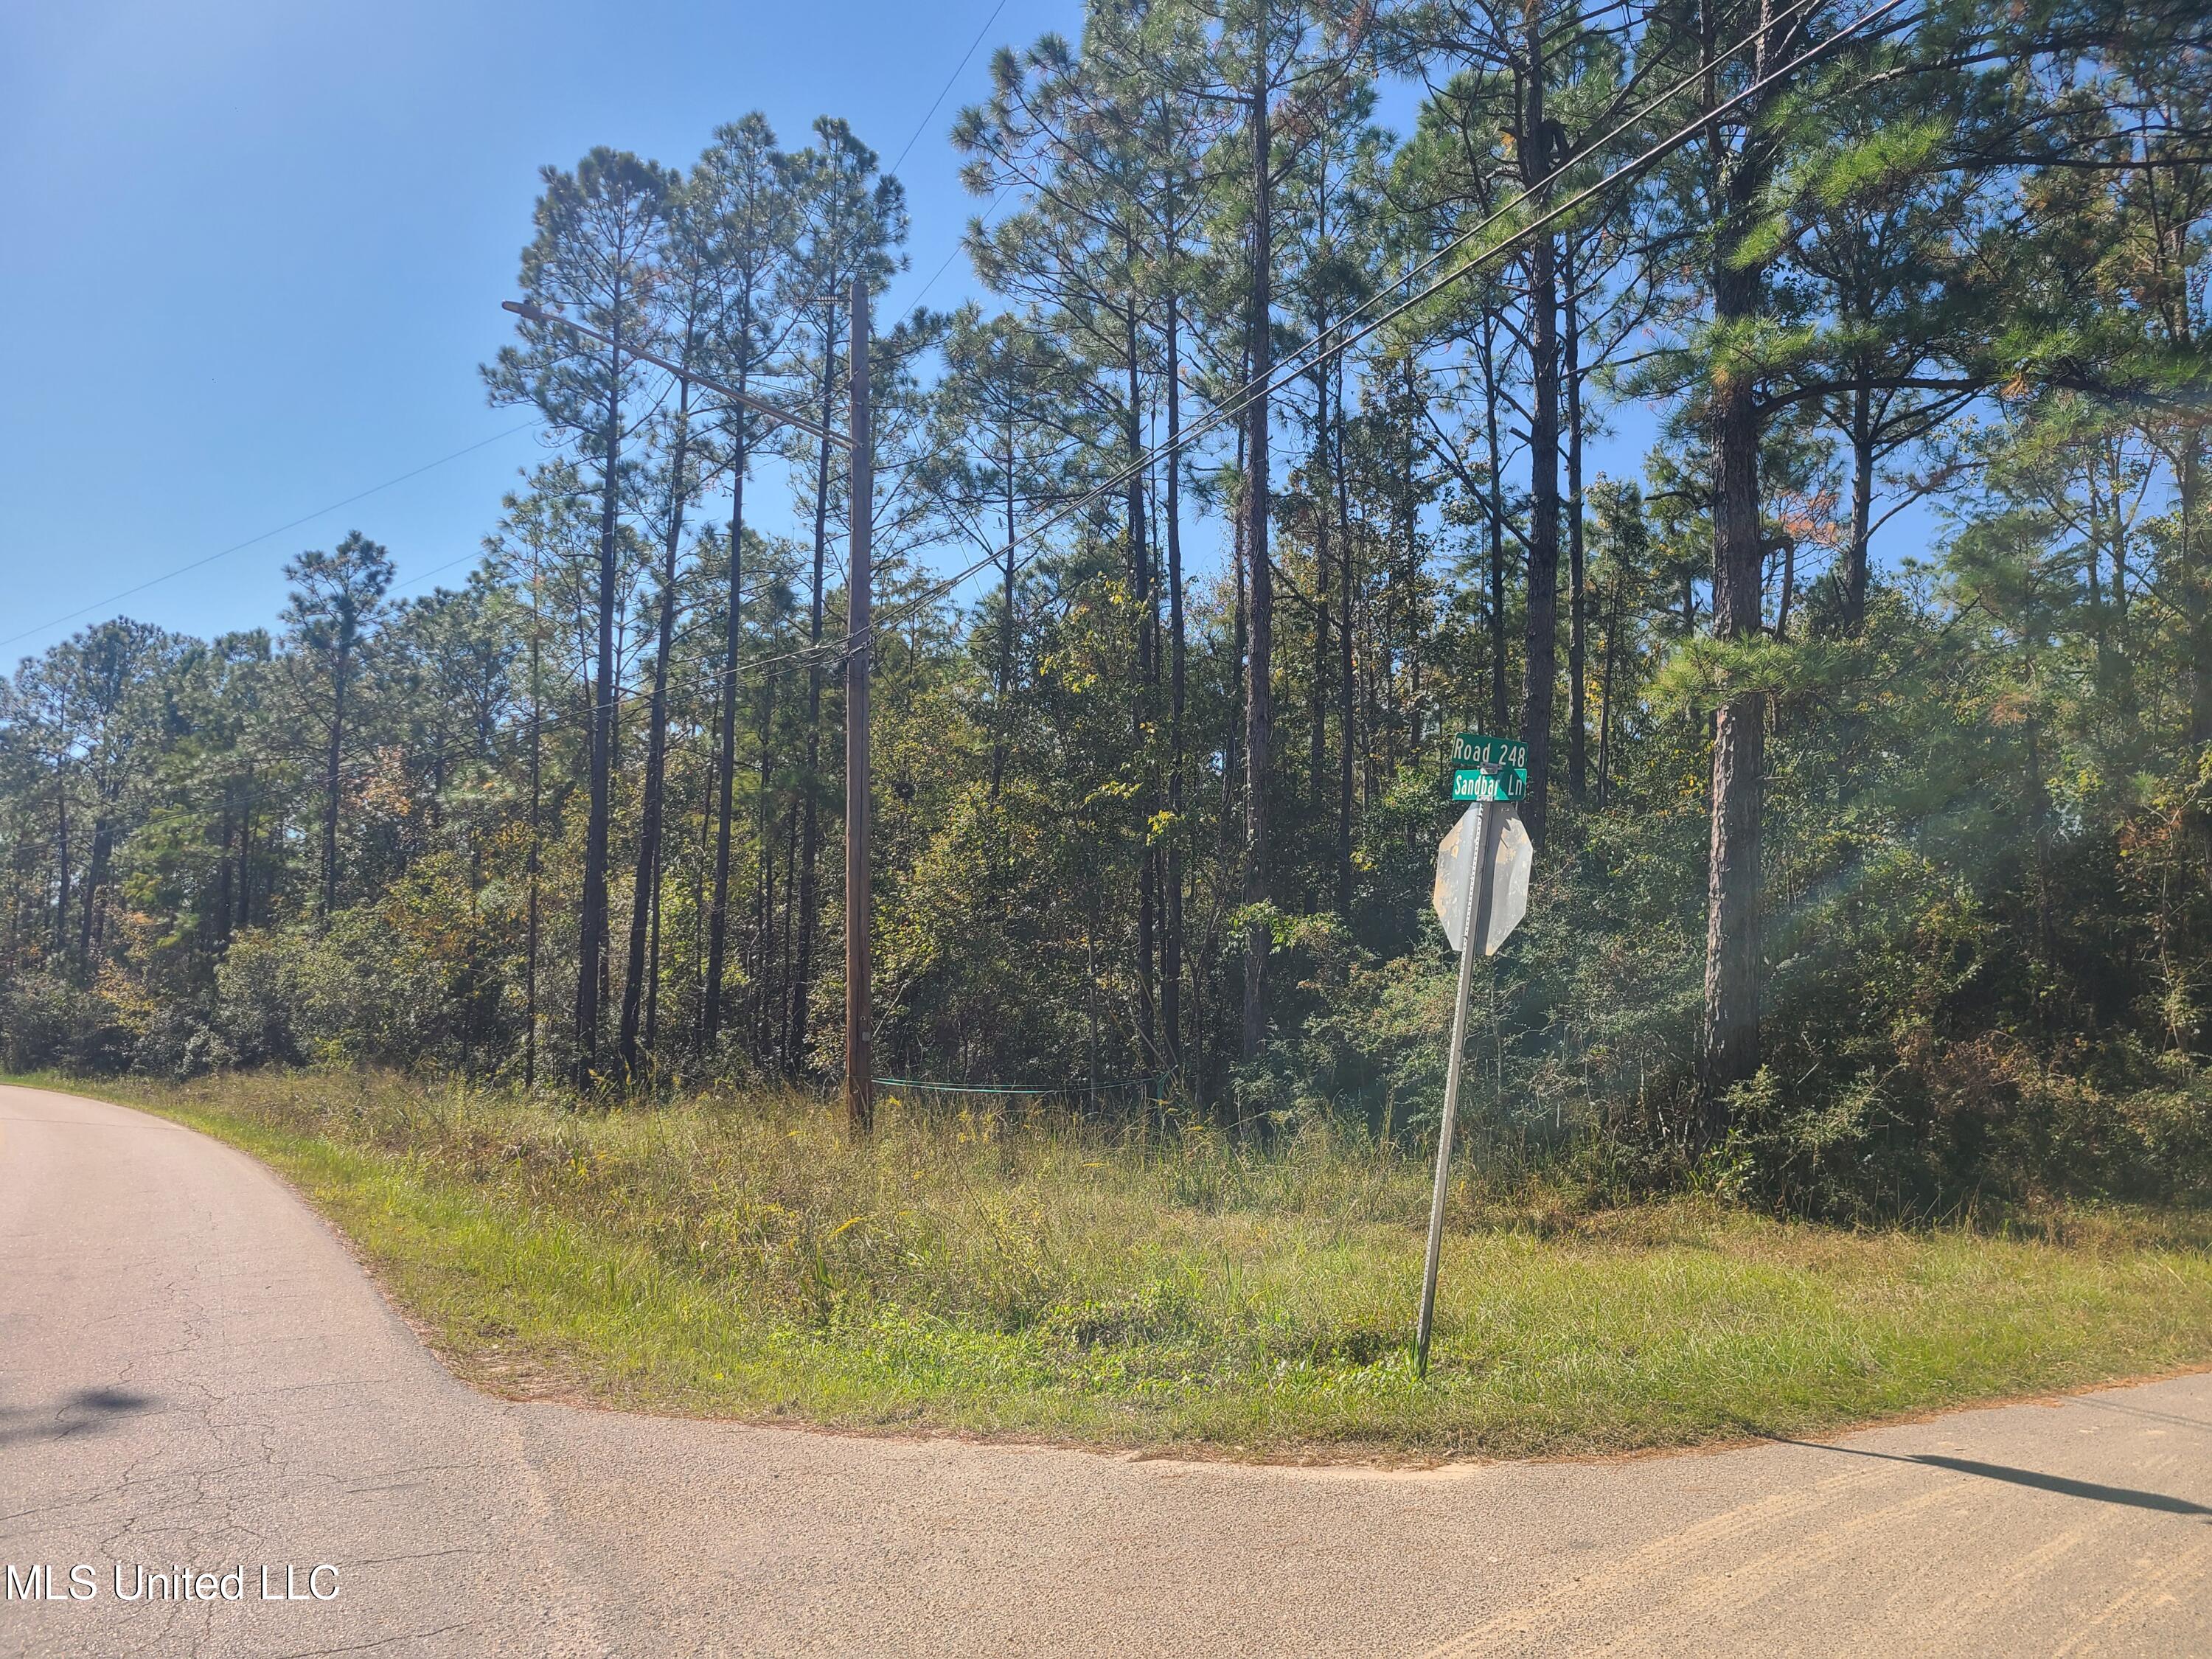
{"x":739,"y":1258}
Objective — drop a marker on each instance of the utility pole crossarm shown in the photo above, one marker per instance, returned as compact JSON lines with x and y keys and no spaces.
{"x":758,"y":406}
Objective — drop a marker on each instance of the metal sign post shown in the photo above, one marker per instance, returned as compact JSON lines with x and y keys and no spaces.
{"x":1481,"y":893}
{"x":1474,"y":935}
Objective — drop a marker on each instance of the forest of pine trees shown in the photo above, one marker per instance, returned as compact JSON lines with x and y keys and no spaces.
{"x":1791,"y":417}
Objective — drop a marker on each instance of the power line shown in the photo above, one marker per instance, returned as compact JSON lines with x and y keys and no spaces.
{"x":1291,"y":366}
{"x":421,"y":576}
{"x":923,"y":124}
{"x":1296,"y":362}
{"x":982,"y":222}
{"x":829,"y":652}
{"x":253,"y":541}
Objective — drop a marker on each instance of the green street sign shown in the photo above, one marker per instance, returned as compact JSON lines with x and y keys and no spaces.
{"x":1473,"y":749}
{"x":1509,"y":783}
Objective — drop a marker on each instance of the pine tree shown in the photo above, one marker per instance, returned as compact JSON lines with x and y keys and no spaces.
{"x":599,"y":232}
{"x":335,"y":608}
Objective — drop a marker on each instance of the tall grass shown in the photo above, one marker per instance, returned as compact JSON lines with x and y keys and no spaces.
{"x":996,"y":1272}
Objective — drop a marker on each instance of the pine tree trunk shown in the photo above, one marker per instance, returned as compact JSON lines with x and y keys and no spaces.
{"x":2196,"y":611}
{"x":1789,"y":593}
{"x":331,"y":760}
{"x":95,"y":878}
{"x":532,"y":863}
{"x":1006,"y":674}
{"x":218,"y":930}
{"x":1856,"y":571}
{"x":592,"y":923}
{"x":1732,"y":931}
{"x":60,"y":858}
{"x":765,"y":990}
{"x":786,"y":947}
{"x":1577,"y":594}
{"x":810,"y":855}
{"x":1605,"y":701}
{"x":1232,"y":740}
{"x":1148,"y":678}
{"x":645,"y":895}
{"x":1497,"y":510}
{"x":61,"y":864}
{"x":717,"y":909}
{"x":1171,"y":942}
{"x":1409,"y":571}
{"x":652,"y":1045}
{"x":1317,"y":687}
{"x":245,"y":853}
{"x":1345,"y":689}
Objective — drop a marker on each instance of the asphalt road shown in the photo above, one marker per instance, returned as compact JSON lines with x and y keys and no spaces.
{"x":194,"y":1372}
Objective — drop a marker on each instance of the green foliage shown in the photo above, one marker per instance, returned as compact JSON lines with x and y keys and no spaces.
{"x":1705,"y":672}
{"x":1967,"y":263}
{"x":411,"y":980}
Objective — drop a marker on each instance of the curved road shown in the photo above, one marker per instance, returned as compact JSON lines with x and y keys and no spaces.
{"x":194,"y":1371}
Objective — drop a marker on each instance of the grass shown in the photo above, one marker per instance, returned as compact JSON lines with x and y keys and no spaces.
{"x":740,"y":1258}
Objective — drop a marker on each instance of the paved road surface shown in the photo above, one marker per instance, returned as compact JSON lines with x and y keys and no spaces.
{"x":192,"y":1370}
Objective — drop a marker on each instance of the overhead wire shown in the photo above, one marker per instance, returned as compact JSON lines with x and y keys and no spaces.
{"x":1238,"y":401}
{"x":1298,"y":362}
{"x":946,"y":90}
{"x":922,"y":125}
{"x":615,"y":700}
{"x":1303,"y":358}
{"x":251,"y":541}
{"x":982,"y":222}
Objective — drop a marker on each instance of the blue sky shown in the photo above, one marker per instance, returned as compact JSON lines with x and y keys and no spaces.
{"x":255,"y":251}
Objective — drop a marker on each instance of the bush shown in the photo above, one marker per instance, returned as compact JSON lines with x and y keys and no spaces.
{"x":48,"y":1020}
{"x":409,"y":980}
{"x":255,"y":1012}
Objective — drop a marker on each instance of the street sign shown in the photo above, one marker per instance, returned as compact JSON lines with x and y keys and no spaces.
{"x":1509,"y":883}
{"x":1473,"y":749}
{"x":1503,"y":783}
{"x":1457,"y":855}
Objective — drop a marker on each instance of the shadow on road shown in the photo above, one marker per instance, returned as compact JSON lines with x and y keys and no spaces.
{"x":2031,"y":1478}
{"x":2059,"y":1483}
{"x":86,"y":1412}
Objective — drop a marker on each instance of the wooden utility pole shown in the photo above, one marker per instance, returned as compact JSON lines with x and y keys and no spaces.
{"x":860,"y":1079}
{"x":1259,"y":668}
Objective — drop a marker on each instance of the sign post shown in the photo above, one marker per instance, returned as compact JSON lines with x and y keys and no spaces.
{"x":1480,"y":909}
